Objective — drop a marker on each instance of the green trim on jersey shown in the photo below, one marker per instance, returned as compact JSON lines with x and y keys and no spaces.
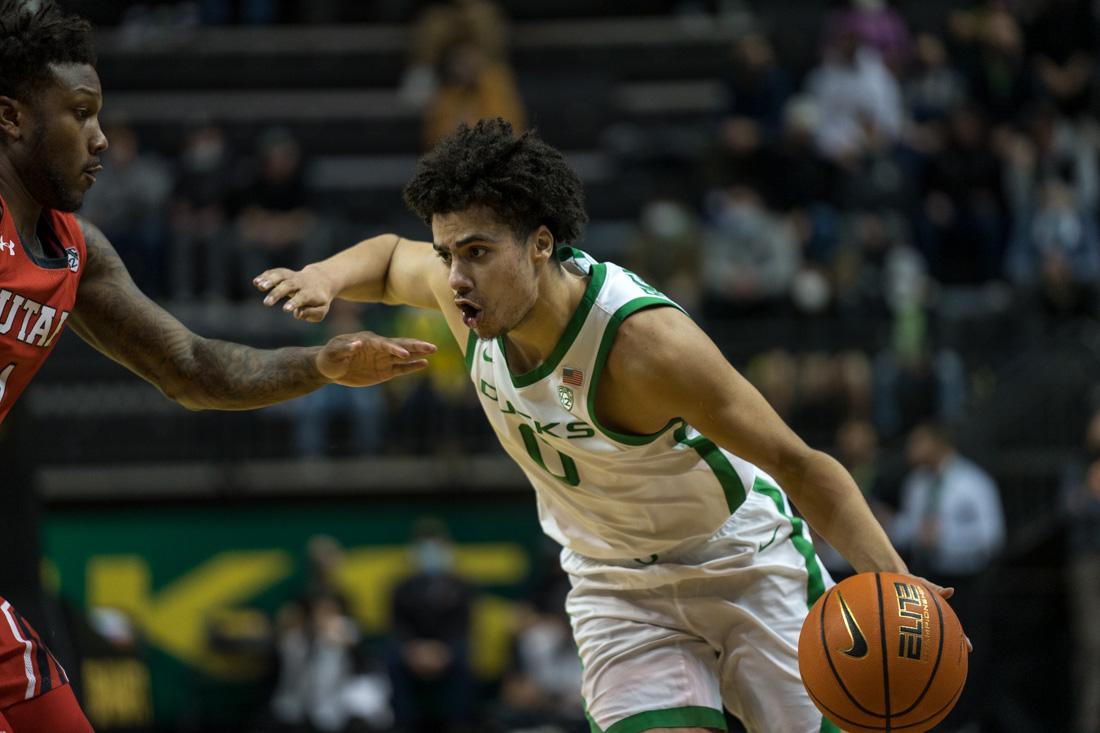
{"x":627,"y":309}
{"x":692,"y":716}
{"x":723,"y":469}
{"x":471,"y":347}
{"x":595,"y":284}
{"x":815,"y":582}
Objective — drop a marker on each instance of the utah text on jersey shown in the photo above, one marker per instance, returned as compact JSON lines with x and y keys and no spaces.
{"x":40,"y":331}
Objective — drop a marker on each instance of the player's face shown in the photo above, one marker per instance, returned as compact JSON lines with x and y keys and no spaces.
{"x":64,"y":140}
{"x":493,"y":276}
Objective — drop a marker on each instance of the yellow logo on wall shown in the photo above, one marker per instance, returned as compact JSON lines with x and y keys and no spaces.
{"x":174,"y":618}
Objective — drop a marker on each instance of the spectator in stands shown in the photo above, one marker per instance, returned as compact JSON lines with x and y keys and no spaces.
{"x":199,"y":211}
{"x":873,"y":24}
{"x":933,"y":86}
{"x":1052,"y":148}
{"x":666,"y":251}
{"x":315,"y":414}
{"x":543,"y":686}
{"x":474,"y":79}
{"x":1081,"y":492}
{"x":963,"y":221}
{"x":435,"y":30}
{"x":275,"y":225}
{"x":750,"y":254}
{"x":952,"y":524}
{"x":433,"y":412}
{"x":993,"y":60}
{"x":1056,"y":242}
{"x":1062,"y":38}
{"x":859,"y":101}
{"x":757,"y":85}
{"x":325,"y":681}
{"x":130,"y":207}
{"x":429,"y":660}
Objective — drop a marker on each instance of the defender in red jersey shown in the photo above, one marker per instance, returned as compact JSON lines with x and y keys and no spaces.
{"x":57,"y":270}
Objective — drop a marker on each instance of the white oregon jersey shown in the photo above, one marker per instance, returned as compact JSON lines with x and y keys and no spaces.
{"x":600,"y":493}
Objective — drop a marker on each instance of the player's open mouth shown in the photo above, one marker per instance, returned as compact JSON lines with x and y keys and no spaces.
{"x":90,"y":173}
{"x":471,"y":314}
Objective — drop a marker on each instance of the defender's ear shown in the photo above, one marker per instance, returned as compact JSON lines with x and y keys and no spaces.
{"x":11,"y":118}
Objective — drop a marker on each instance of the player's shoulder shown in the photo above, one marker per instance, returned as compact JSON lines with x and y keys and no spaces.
{"x":648,"y":342}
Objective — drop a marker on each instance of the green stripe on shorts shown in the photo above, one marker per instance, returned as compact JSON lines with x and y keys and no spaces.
{"x":815,"y":584}
{"x":687,"y":717}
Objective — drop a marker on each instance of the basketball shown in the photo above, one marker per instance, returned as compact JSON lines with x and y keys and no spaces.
{"x":883,"y":652}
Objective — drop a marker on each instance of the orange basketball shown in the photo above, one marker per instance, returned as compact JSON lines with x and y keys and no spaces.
{"x":882,"y":652}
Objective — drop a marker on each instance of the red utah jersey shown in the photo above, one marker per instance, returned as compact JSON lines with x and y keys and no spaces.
{"x":36,"y":296}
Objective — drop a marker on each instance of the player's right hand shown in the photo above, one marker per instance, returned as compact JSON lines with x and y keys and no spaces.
{"x":309,"y":292}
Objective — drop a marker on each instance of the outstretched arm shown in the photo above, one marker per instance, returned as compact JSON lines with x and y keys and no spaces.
{"x":383,"y":269}
{"x":387,"y":269}
{"x":121,"y":322}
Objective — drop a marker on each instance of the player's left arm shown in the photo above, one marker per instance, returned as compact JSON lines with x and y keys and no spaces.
{"x":665,"y":367}
{"x":120,"y":321}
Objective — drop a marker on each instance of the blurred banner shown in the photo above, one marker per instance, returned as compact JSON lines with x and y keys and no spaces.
{"x":180,"y":600}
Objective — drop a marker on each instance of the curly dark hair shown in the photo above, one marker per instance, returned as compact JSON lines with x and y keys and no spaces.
{"x":525,"y":181}
{"x":31,"y":40}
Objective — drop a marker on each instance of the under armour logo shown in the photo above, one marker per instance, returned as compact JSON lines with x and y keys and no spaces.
{"x":10,"y":247}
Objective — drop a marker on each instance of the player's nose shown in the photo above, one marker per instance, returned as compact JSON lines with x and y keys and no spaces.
{"x":99,"y":141}
{"x":459,"y":281}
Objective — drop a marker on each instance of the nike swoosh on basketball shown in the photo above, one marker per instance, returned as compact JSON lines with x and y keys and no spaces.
{"x":858,"y":649}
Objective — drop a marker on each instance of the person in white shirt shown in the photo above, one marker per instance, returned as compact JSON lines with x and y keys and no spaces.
{"x":952,"y":524}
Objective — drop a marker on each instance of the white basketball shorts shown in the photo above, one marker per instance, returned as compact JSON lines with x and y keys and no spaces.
{"x":666,"y":644}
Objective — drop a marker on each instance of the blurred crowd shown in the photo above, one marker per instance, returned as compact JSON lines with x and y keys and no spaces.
{"x":418,"y":677}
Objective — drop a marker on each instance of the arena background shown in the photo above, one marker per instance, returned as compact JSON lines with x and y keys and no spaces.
{"x":905,"y":235}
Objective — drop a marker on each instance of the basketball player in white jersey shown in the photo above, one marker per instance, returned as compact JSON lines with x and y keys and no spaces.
{"x":656,"y":465}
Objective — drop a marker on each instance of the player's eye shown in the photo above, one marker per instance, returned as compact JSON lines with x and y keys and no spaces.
{"x":445,"y":257}
{"x":475,"y":252}
{"x":82,"y":113}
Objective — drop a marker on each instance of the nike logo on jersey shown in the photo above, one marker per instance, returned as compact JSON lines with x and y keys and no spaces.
{"x":6,"y":245}
{"x":858,"y":649}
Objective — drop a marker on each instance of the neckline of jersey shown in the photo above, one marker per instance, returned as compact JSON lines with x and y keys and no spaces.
{"x":597,"y":272}
{"x":46,"y":263}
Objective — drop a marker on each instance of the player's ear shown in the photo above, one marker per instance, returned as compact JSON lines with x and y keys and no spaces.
{"x":11,"y":118}
{"x":544,"y":244}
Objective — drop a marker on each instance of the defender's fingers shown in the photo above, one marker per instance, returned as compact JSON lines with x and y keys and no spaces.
{"x":394,"y":349}
{"x":416,"y":346}
{"x":405,"y":367}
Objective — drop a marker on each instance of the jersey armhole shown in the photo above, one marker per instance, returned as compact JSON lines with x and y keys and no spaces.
{"x":606,"y":341}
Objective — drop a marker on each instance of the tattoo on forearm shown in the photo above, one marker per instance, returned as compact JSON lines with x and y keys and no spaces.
{"x":120,"y":321}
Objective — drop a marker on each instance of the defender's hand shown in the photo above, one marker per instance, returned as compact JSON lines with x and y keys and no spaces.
{"x":365,"y":358}
{"x":309,"y":291}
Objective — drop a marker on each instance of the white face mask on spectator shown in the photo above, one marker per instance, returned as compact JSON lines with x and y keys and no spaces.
{"x":432,"y":556}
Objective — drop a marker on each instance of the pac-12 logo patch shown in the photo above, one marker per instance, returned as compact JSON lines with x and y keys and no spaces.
{"x":74,"y":258}
{"x":566,"y":396}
